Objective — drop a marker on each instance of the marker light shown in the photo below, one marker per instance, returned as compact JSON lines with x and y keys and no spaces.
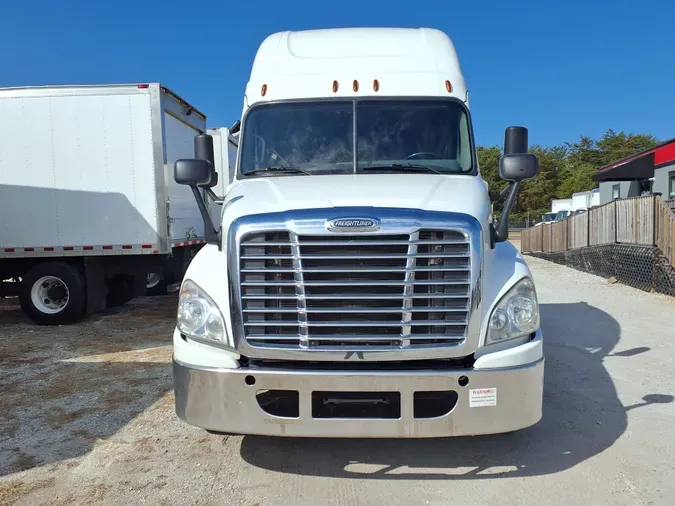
{"x":448,"y":86}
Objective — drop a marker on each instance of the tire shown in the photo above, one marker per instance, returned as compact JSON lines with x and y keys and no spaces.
{"x":53,"y":293}
{"x":158,"y":287}
{"x":120,"y":290}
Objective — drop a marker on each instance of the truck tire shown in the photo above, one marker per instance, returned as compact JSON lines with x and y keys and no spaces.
{"x":156,"y":284}
{"x":120,"y":290}
{"x":53,"y":293}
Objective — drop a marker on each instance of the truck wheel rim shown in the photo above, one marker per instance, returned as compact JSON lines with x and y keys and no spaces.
{"x":152,"y":280}
{"x":49,"y":295}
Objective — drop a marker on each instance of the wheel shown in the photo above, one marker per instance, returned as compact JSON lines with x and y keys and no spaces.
{"x":120,"y":290}
{"x":153,"y":280}
{"x":53,"y":293}
{"x":156,"y":284}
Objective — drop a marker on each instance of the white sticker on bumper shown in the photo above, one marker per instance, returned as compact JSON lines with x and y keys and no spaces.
{"x":479,"y":397}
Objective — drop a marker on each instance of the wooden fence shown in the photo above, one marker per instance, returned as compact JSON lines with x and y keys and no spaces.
{"x":665,"y":230}
{"x":642,"y":220}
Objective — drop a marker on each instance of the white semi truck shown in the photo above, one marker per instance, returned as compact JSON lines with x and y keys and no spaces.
{"x":358,"y":286}
{"x":90,"y":214}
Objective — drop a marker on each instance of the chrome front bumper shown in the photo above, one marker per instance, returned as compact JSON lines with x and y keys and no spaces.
{"x":223,"y":400}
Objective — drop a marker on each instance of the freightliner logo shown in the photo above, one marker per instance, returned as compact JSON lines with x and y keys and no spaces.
{"x":353,"y":225}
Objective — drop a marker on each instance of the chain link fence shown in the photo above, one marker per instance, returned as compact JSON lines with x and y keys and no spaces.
{"x":631,"y":240}
{"x":642,"y":267}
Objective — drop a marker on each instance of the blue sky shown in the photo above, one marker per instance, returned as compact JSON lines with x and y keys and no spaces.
{"x":562,"y":69}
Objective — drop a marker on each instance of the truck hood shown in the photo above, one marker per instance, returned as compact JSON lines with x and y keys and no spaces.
{"x":431,"y":192}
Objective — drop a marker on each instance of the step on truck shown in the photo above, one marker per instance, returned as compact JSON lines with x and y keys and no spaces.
{"x":359,"y":285}
{"x":90,"y":214}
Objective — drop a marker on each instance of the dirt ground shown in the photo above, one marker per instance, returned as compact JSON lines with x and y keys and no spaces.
{"x":86,"y":417}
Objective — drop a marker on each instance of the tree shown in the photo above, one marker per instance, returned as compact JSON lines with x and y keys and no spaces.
{"x":563,"y":169}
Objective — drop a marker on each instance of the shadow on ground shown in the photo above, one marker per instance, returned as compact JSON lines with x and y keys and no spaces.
{"x":64,"y":388}
{"x":582,"y":417}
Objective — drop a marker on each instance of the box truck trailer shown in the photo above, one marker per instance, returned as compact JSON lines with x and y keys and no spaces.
{"x":90,"y":213}
{"x":582,"y":201}
{"x":358,"y":285}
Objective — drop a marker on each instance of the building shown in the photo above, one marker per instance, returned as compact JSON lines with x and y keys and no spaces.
{"x":649,"y":172}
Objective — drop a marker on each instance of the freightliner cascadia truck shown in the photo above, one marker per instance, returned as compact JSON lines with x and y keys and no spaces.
{"x":359,"y":284}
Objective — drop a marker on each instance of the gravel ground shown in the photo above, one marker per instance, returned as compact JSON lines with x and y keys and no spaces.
{"x":86,"y":416}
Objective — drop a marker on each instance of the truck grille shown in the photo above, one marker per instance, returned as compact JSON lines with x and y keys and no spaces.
{"x":355,"y":292}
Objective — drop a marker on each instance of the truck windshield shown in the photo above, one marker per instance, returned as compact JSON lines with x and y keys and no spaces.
{"x":390,"y":135}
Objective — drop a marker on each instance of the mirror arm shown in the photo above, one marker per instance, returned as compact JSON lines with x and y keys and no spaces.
{"x":211,"y":235}
{"x":215,"y":198}
{"x":500,"y":233}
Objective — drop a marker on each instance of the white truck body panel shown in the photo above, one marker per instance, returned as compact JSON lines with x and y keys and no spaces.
{"x":225,"y":158}
{"x":594,"y":198}
{"x":185,"y":222}
{"x":407,"y":191}
{"x":585,"y":200}
{"x":225,"y":152}
{"x":305,"y":64}
{"x":87,"y":170}
{"x":579,"y":201}
{"x":558,"y":205}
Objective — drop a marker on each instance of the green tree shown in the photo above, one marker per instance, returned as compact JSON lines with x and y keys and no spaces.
{"x":563,"y":169}
{"x":488,"y":162}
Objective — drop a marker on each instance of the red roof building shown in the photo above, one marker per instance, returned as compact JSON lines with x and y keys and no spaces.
{"x":651,"y":171}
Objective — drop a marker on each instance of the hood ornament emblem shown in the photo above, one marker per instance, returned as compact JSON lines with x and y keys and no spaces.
{"x":353,"y":225}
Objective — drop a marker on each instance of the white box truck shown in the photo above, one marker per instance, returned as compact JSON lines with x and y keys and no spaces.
{"x":562,"y":208}
{"x":583,"y":201}
{"x":358,"y":286}
{"x":90,"y":213}
{"x":225,"y":145}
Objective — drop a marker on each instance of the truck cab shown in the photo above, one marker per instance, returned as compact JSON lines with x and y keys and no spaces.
{"x":358,"y":285}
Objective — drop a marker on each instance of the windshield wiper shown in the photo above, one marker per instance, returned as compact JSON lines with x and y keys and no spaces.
{"x":288,"y":170}
{"x":408,"y":167}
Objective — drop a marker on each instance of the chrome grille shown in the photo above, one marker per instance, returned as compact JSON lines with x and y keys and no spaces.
{"x":357,"y":292}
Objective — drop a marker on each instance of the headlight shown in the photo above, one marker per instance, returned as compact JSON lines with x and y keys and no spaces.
{"x":516,"y":315}
{"x":198,"y":315}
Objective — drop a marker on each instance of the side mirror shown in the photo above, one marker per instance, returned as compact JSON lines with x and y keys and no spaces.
{"x":203,"y":145}
{"x":192,"y":172}
{"x":515,"y":166}
{"x":515,"y":140}
{"x":518,"y":167}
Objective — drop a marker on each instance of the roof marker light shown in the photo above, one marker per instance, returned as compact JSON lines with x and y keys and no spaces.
{"x":448,"y":86}
{"x":143,"y":86}
{"x":335,"y":86}
{"x":263,"y":90}
{"x":376,"y":85}
{"x":355,"y":86}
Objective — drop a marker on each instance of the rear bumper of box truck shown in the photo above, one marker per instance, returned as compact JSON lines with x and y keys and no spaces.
{"x":369,"y":404}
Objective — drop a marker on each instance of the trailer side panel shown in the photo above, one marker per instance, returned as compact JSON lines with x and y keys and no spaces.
{"x":77,"y":170}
